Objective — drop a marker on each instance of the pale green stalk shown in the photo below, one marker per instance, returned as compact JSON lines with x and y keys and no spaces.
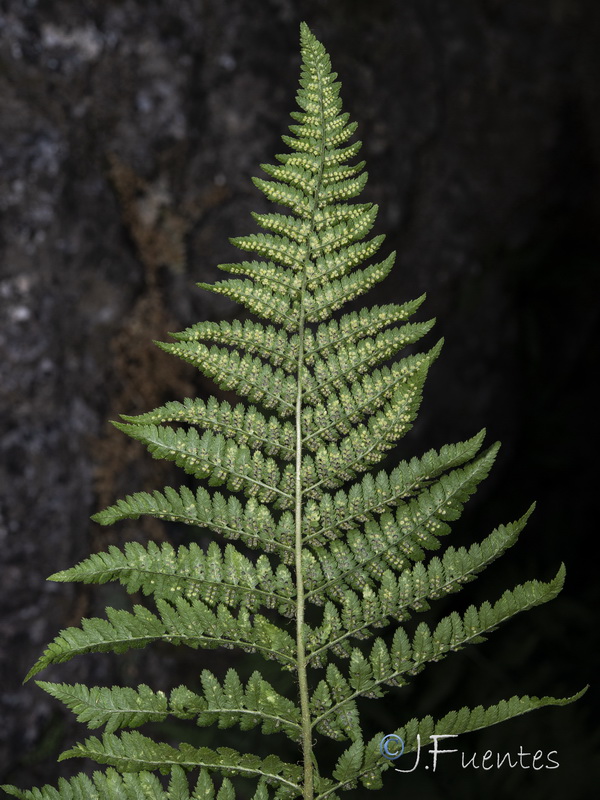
{"x":308,"y":787}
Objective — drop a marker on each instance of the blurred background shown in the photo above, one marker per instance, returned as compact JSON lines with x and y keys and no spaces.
{"x":129,"y":133}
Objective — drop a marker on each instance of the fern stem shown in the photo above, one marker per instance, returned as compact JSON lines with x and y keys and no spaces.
{"x":300,"y":648}
{"x":302,"y":661}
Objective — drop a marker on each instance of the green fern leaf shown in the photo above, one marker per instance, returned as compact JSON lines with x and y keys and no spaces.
{"x":251,"y":522}
{"x":215,"y":575}
{"x":133,"y":752}
{"x":111,"y":785}
{"x":190,"y":623}
{"x":247,"y":425}
{"x":273,"y":344}
{"x":116,"y":707}
{"x":346,"y":547}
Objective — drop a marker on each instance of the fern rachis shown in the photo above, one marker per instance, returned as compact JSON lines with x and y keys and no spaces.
{"x":292,"y":475}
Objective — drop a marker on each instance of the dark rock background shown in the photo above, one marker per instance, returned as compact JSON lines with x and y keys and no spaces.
{"x":128,"y":135}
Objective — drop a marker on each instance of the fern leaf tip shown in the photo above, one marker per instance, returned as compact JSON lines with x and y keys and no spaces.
{"x":494,"y":449}
{"x":306,"y":35}
{"x":33,"y":671}
{"x":530,"y":510}
{"x":120,"y":426}
{"x":558,"y":581}
{"x":57,"y":577}
{"x":565,"y":701}
{"x":580,"y":693}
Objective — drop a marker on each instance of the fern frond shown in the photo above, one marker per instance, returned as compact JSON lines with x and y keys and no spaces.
{"x":284,"y":224}
{"x":227,"y":704}
{"x":115,"y":707}
{"x":215,"y":575}
{"x":357,"y":549}
{"x":353,"y":327}
{"x":267,"y":275}
{"x":395,"y":540}
{"x":393,"y":596}
{"x":133,"y":752}
{"x":389,"y":666}
{"x":364,"y":355}
{"x":251,"y":522}
{"x":338,"y":412}
{"x":366,"y":445}
{"x":190,"y":623}
{"x":249,"y":377}
{"x":269,"y":303}
{"x":273,"y":344}
{"x":337,"y":257}
{"x":111,"y":785}
{"x":212,"y":456}
{"x":382,"y":492}
{"x":326,"y":300}
{"x":271,"y":247}
{"x":245,"y":424}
